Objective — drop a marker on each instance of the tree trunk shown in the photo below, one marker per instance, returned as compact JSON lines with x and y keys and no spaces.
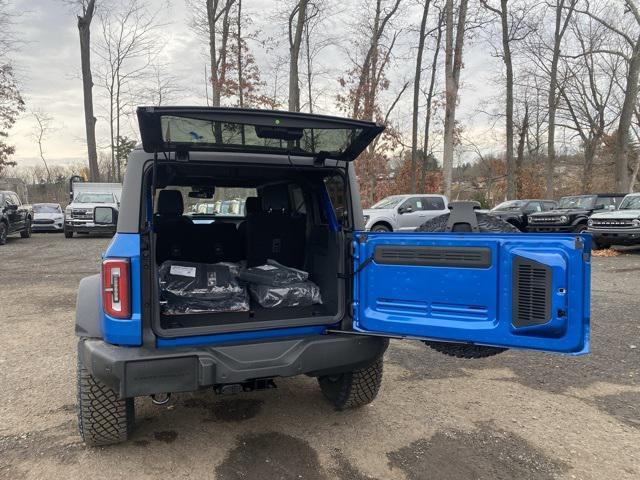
{"x":416,"y":93}
{"x":524,"y":129}
{"x":84,"y":29}
{"x":590,"y":148}
{"x":295,"y":40}
{"x":552,"y":101}
{"x":432,"y":83}
{"x":621,"y":157}
{"x":453,"y":65}
{"x":240,"y":79}
{"x":506,"y":50}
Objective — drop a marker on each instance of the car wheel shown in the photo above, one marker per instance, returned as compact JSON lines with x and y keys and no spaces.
{"x":68,"y":233}
{"x":103,"y":418}
{"x":486,"y":223}
{"x":352,"y":389}
{"x":580,"y":228}
{"x":26,"y":233}
{"x":3,"y":233}
{"x":380,"y":228}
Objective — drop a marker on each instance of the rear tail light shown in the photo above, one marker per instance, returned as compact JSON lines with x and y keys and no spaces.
{"x":116,"y":287}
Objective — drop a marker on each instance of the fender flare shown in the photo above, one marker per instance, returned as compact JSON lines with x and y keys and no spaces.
{"x":581,"y":219}
{"x":88,"y":308}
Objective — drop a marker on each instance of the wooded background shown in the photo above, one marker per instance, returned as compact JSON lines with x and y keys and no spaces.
{"x":563,"y":111}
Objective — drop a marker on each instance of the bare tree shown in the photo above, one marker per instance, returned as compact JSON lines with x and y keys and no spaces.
{"x":40,"y":133}
{"x":430,"y":94}
{"x":128,"y":48}
{"x":590,"y":79}
{"x":84,"y":28}
{"x":631,"y":37}
{"x":422,"y":36}
{"x":299,"y":16}
{"x":454,"y":41}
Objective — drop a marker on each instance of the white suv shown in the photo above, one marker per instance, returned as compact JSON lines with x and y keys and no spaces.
{"x":404,"y":212}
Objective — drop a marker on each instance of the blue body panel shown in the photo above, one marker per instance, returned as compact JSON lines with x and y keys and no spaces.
{"x":474,"y":305}
{"x":125,"y":331}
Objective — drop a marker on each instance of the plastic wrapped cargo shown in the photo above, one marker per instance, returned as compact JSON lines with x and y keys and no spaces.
{"x":273,"y":274}
{"x":300,"y":294}
{"x":187,"y":287}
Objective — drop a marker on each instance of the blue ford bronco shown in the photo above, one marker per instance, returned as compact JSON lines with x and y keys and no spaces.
{"x":277,"y":276}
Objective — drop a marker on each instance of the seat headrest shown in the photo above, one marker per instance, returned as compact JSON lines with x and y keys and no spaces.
{"x":253,"y":205}
{"x":170,"y":203}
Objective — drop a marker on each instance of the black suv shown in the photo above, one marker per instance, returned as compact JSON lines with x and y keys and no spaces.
{"x":573,"y":212}
{"x":517,"y":212}
{"x":15,"y":217}
{"x":293,"y":284}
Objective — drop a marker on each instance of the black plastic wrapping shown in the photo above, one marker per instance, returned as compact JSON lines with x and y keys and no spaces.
{"x":187,"y":287}
{"x":273,"y":274}
{"x":299,"y":294}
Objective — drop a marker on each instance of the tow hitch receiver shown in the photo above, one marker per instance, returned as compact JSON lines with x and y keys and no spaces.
{"x":250,"y":386}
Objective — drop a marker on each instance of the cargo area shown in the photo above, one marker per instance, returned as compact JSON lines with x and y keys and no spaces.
{"x":241,"y":251}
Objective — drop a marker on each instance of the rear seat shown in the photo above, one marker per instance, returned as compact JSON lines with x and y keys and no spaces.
{"x":180,"y":239}
{"x":276,"y":235}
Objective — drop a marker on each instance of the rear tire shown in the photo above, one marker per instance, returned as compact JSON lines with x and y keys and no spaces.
{"x":352,"y":389}
{"x":3,"y":233}
{"x":26,"y":233}
{"x":68,"y":233}
{"x":580,"y":228}
{"x":380,"y":228}
{"x":103,"y":419}
{"x":486,"y":223}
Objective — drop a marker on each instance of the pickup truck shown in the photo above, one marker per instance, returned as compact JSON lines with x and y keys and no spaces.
{"x":14,"y":216}
{"x":79,"y":214}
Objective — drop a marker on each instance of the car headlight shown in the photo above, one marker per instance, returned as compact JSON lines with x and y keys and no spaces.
{"x":564,"y":219}
{"x":635,"y":223}
{"x":366,"y":218}
{"x":590,"y":223}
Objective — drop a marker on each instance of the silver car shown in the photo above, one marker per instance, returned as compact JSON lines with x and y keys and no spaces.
{"x":47,"y":217}
{"x":404,"y":212}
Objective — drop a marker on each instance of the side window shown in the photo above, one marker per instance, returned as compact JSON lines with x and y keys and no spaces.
{"x":335,"y":189}
{"x":548,"y":206}
{"x":432,"y":203}
{"x":298,"y":205}
{"x":606,"y":202}
{"x":533,"y":207}
{"x":415,"y":203}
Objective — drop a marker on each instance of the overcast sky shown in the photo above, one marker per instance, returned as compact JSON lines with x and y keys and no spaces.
{"x":48,"y":68}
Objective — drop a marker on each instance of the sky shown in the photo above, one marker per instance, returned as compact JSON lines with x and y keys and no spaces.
{"x":48,"y":69}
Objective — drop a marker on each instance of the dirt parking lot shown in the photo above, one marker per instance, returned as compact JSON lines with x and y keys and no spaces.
{"x":518,"y":415}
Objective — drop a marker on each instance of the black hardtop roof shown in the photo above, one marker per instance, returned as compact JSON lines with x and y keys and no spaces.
{"x":246,"y":130}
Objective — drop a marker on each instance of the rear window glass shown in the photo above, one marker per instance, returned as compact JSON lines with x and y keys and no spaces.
{"x":226,"y":202}
{"x":207,"y":133}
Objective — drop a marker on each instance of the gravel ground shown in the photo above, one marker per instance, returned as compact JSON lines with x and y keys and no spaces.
{"x":517,"y":415}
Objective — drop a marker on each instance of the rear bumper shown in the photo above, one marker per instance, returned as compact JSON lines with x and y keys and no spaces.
{"x":615,"y":236}
{"x":138,"y":371}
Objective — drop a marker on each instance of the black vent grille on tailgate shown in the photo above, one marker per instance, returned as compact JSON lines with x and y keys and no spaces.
{"x":470,"y":257}
{"x":531,"y":293}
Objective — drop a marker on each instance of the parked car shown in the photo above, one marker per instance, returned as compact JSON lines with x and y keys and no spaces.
{"x":167,"y":314}
{"x":573,"y":212}
{"x":404,"y":212}
{"x":48,"y":217}
{"x":619,"y":227}
{"x":14,"y":216}
{"x":79,"y":214}
{"x":517,"y":212}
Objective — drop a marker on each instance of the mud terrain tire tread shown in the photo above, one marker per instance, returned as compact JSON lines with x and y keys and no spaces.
{"x":103,"y":419}
{"x":353,"y":389}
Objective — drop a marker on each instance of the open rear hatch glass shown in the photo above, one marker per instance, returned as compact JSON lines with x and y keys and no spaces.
{"x":170,"y":129}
